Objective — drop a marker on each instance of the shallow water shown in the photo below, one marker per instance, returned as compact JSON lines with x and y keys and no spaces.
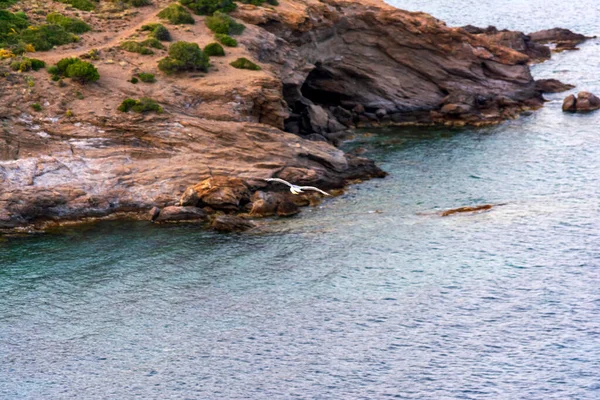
{"x":371,"y":295}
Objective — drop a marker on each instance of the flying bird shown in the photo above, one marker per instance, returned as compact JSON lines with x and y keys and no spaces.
{"x":295,"y":189}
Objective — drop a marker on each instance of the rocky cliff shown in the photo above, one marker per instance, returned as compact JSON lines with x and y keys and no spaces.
{"x":326,"y":66}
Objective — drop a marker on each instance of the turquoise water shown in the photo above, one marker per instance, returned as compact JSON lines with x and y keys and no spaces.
{"x":368,"y":296}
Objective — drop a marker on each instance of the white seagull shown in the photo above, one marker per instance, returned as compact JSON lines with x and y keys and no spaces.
{"x":295,"y":189}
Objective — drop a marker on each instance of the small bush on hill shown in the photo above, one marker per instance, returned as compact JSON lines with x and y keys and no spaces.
{"x":7,"y":3}
{"x":26,"y":64}
{"x":226,"y":40}
{"x":72,"y":25}
{"x":184,"y":56}
{"x":214,"y":50}
{"x":74,"y":68}
{"x":244,"y":63}
{"x":260,"y":2}
{"x":142,"y":105}
{"x":82,"y":72}
{"x":176,"y":15}
{"x":146,"y":77}
{"x":135,"y":47}
{"x":153,"y":42}
{"x":224,"y":24}
{"x":36,"y":107}
{"x":83,"y":5}
{"x":158,"y":31}
{"x":44,"y":37}
{"x":208,"y":7}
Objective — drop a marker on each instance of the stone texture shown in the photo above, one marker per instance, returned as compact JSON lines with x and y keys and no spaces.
{"x":178,"y":214}
{"x":231,"y":223}
{"x":552,"y":86}
{"x":585,"y":102}
{"x":219,"y":192}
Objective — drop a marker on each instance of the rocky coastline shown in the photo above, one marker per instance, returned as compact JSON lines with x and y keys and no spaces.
{"x":327,"y":66}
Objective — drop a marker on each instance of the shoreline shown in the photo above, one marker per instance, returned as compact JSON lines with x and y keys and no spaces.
{"x":323,"y":74}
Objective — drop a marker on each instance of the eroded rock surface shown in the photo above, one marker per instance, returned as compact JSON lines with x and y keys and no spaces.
{"x":326,"y":66}
{"x":584,"y":102}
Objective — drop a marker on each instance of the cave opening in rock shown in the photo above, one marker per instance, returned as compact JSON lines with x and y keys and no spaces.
{"x":313,"y":104}
{"x":318,"y":87}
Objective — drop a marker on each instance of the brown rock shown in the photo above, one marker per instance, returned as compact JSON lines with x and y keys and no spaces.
{"x":178,"y":214}
{"x":552,"y":86}
{"x":154,"y":213}
{"x":556,"y":35}
{"x":585,"y":102}
{"x":231,"y":223}
{"x":467,"y":209}
{"x":287,"y":209}
{"x":264,"y":204}
{"x":219,"y":192}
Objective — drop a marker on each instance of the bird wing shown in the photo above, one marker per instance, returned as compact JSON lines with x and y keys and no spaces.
{"x":280,"y":181}
{"x":315,"y":189}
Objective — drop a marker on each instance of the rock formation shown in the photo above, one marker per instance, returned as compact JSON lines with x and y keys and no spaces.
{"x":584,"y":102}
{"x":326,"y":66}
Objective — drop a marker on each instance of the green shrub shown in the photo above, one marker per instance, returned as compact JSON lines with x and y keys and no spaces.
{"x":62,"y":65}
{"x":209,"y":7}
{"x":82,"y":72}
{"x":36,"y":64}
{"x":223,"y":23}
{"x":7,"y":3}
{"x":226,"y":40}
{"x":244,"y":63}
{"x":72,"y":25}
{"x":83,"y":5}
{"x":142,"y":105}
{"x":214,"y":50}
{"x":27,"y":64}
{"x":134,"y":80}
{"x":260,"y":2}
{"x":153,"y":42}
{"x":46,"y":36}
{"x":158,"y":31}
{"x":146,"y":77}
{"x":184,"y":56}
{"x":139,"y":3}
{"x":176,"y":15}
{"x":135,"y":47}
{"x":36,"y":107}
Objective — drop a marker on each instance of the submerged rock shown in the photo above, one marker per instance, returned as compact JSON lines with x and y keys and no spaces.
{"x":584,"y":102}
{"x":484,"y":207}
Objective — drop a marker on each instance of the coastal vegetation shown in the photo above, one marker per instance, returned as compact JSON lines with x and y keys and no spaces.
{"x":76,"y":69}
{"x":83,"y":5}
{"x":142,"y":105}
{"x":73,"y":25}
{"x":157,"y":31}
{"x":226,"y":40}
{"x":222,"y":23}
{"x":146,"y":77}
{"x":209,"y":7}
{"x":184,"y":56}
{"x":176,"y":15}
{"x":244,"y":63}
{"x":142,"y":47}
{"x":214,"y":50}
{"x":27,"y":64}
{"x":18,"y":35}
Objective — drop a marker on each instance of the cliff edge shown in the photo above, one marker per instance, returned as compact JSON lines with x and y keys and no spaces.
{"x":67,"y":152}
